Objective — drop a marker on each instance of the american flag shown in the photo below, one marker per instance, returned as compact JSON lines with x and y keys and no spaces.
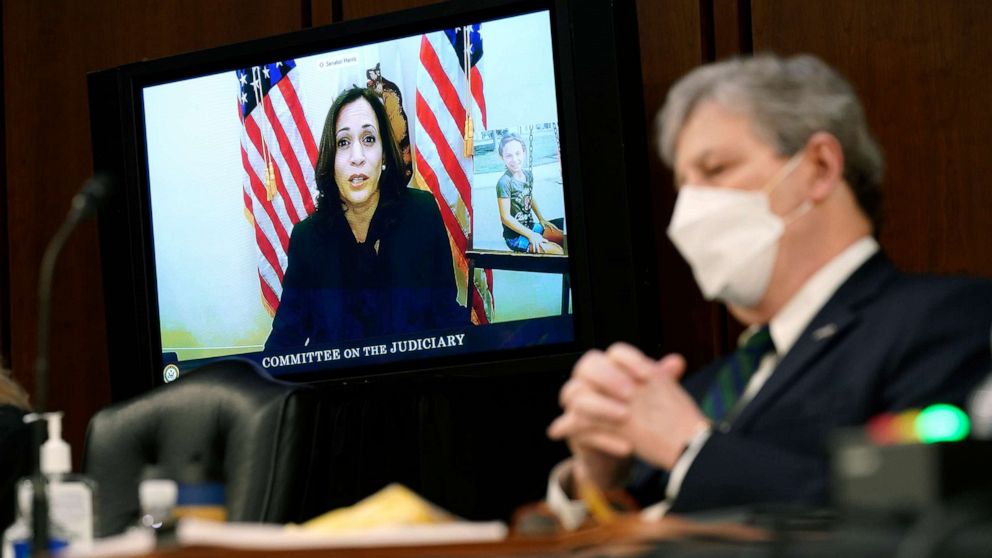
{"x":279,"y":154}
{"x":443,"y":160}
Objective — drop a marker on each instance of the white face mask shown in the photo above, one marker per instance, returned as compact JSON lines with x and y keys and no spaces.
{"x":730,"y":237}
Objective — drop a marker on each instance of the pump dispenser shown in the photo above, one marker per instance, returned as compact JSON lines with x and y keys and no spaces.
{"x":56,"y":457}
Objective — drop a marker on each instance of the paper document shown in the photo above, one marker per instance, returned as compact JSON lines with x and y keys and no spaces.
{"x":266,"y":536}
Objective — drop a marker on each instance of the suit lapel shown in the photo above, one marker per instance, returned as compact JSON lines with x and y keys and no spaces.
{"x":828,"y":327}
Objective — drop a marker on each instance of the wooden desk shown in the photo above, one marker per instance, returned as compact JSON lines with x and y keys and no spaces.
{"x":627,"y":537}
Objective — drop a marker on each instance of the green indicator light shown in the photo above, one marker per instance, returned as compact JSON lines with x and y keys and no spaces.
{"x":942,"y":423}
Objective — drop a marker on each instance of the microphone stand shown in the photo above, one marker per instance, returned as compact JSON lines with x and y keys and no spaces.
{"x":84,"y":205}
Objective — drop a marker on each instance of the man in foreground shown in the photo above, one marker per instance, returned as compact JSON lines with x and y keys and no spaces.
{"x":778,"y":198}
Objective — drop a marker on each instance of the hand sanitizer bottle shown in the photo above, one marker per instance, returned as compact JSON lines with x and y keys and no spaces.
{"x":70,"y":495}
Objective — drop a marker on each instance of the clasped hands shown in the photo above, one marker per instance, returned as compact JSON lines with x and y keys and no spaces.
{"x":621,"y":403}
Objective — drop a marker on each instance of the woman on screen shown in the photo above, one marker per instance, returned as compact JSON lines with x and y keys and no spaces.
{"x":518,"y":208}
{"x":374,"y":257}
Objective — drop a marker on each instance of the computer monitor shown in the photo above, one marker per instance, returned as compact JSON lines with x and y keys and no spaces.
{"x":457,"y":189}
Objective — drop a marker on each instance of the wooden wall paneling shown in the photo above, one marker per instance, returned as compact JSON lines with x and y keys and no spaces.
{"x":4,"y":237}
{"x":731,"y":28}
{"x":923,"y":75}
{"x":48,"y":49}
{"x":356,"y":9}
{"x":673,"y":40}
{"x":323,"y":12}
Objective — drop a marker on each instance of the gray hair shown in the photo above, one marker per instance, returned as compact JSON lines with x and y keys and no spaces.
{"x":787,"y":100}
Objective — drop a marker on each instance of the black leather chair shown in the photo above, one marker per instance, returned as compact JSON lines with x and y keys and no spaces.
{"x":228,"y":419}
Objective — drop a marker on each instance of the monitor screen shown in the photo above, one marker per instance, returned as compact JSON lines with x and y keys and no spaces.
{"x":457,"y":190}
{"x":380,"y":203}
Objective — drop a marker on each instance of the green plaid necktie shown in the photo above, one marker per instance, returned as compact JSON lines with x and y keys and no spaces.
{"x":733,"y":377}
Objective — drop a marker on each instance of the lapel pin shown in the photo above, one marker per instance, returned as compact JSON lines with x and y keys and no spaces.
{"x":824,"y":332}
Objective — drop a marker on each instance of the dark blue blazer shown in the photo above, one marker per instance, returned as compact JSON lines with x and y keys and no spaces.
{"x":413,"y":290}
{"x":885,"y":341}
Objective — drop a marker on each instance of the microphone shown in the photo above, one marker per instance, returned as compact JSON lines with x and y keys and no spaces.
{"x":95,"y":190}
{"x":84,"y":205}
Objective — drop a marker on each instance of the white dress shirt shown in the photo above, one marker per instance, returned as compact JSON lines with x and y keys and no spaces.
{"x":785,"y":328}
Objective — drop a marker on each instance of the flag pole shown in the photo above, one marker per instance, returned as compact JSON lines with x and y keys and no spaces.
{"x":270,"y":175}
{"x":467,"y":57}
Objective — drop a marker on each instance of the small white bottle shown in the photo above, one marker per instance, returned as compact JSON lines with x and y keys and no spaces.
{"x":158,"y":500}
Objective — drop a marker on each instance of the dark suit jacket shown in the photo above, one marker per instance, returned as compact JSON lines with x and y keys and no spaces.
{"x":409,"y":288}
{"x":885,"y":341}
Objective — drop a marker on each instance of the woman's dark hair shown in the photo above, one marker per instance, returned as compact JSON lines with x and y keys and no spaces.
{"x":391,"y":181}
